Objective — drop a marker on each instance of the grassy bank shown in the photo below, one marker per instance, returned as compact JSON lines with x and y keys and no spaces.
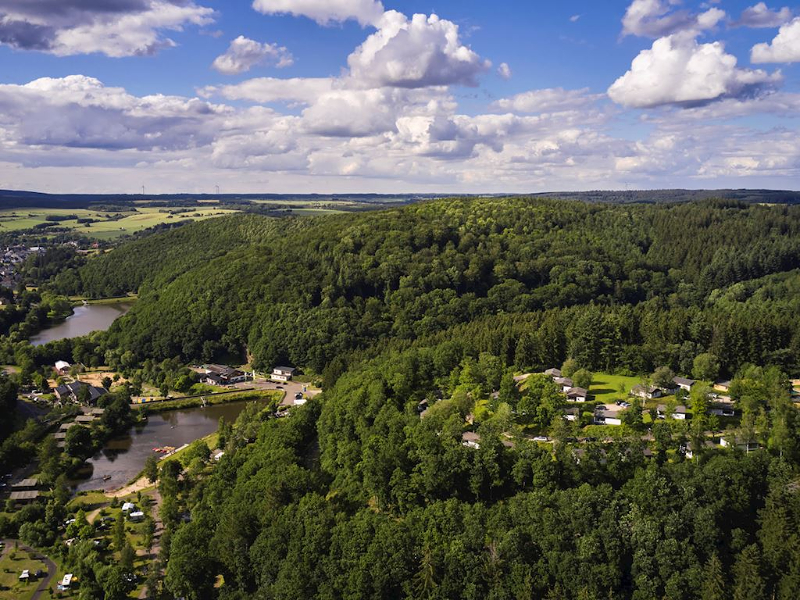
{"x":271,"y":395}
{"x":79,"y":300}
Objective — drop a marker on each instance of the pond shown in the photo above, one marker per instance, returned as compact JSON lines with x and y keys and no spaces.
{"x":123,"y":458}
{"x":84,"y":320}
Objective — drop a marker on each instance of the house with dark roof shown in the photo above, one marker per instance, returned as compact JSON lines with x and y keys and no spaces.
{"x":223,"y":375}
{"x":683,"y":383}
{"x":73,"y":391}
{"x":26,"y":484}
{"x":689,"y":450}
{"x":603,"y":416}
{"x":576,"y":394}
{"x":722,"y":411}
{"x":680,"y":413}
{"x":282,"y":373}
{"x":213,"y":379}
{"x":564,"y":382}
{"x":471,"y":439}
{"x":648,"y":392}
{"x":553,"y":373}
{"x":24,"y":497}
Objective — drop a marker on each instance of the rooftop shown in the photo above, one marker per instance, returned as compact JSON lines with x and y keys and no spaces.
{"x":30,"y":482}
{"x":30,"y":495}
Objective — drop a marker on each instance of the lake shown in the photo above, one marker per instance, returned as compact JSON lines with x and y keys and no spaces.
{"x":123,"y":458}
{"x":84,"y":320}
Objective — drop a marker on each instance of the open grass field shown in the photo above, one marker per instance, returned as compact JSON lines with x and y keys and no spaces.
{"x":104,"y":226}
{"x":608,"y":388}
{"x":10,"y":569}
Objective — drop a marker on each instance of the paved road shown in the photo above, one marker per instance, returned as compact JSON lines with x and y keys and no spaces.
{"x":156,"y":549}
{"x":44,"y":584}
{"x":290,"y":387}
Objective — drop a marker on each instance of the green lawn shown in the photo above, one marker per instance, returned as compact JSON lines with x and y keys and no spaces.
{"x":88,"y":501}
{"x":606,"y":388}
{"x":10,"y":569}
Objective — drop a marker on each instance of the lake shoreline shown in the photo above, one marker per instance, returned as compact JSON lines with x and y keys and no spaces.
{"x":84,"y":320}
{"x":81,"y":301}
{"x":122,"y":458}
{"x":212,"y":399}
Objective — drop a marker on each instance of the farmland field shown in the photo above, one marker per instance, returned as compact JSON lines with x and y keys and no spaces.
{"x":106,"y":225}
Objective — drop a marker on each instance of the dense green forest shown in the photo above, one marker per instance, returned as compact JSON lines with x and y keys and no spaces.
{"x":437,"y":305}
{"x":648,"y":284}
{"x":488,"y":523}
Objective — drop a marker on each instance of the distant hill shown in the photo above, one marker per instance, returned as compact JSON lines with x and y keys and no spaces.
{"x":659,"y":196}
{"x":26,"y":199}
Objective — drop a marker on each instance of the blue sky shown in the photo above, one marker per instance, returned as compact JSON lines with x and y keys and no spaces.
{"x":359,"y":96}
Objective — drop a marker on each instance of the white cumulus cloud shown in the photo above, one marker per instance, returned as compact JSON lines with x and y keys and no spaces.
{"x":115,"y":28}
{"x":761,"y":16}
{"x":325,"y":12}
{"x":785,"y":48}
{"x":243,"y":54}
{"x":80,"y":112}
{"x":679,"y":70}
{"x":656,"y":18}
{"x":418,"y":52}
{"x":504,"y":71}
